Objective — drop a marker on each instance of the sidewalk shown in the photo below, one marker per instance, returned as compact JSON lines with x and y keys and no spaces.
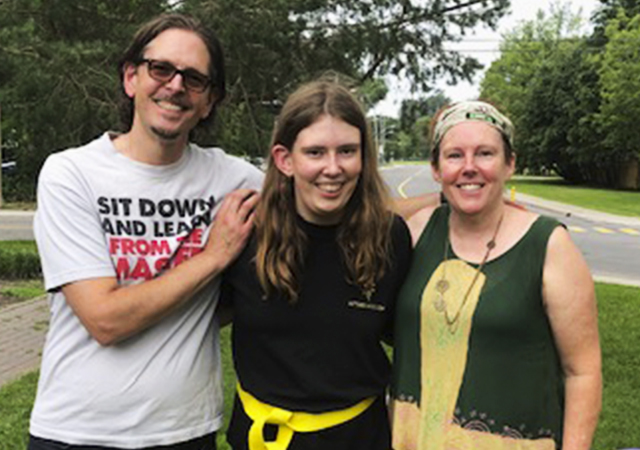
{"x":22,"y":330}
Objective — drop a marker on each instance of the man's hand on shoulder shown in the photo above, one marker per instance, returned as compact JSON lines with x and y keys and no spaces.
{"x":232,"y":226}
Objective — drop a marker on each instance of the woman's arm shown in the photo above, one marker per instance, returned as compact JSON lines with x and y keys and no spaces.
{"x":407,"y":207}
{"x":570,"y":301}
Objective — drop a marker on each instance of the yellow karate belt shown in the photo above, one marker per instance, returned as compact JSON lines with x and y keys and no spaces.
{"x":290,"y":421}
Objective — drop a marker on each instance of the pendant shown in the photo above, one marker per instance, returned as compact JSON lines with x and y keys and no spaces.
{"x":442,"y":286}
{"x":439,"y":303}
{"x":368,"y":293}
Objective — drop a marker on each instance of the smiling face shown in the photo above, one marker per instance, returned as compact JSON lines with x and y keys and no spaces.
{"x":472,"y":167}
{"x":325,"y":164}
{"x":168,"y":111}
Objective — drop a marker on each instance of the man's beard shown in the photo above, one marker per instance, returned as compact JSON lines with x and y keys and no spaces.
{"x":178,"y":99}
{"x":166,"y":134}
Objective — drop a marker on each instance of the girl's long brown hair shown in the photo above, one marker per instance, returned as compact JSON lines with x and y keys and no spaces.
{"x":364,"y":232}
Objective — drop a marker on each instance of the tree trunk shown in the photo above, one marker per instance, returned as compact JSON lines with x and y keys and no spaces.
{"x":628,"y":174}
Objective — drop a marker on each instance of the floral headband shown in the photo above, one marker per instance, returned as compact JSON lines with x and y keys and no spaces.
{"x":472,"y":110}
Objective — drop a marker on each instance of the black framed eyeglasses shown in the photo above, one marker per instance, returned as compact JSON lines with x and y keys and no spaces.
{"x":164,"y":72}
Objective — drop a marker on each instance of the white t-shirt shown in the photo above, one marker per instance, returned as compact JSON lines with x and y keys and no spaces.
{"x":101,"y":214}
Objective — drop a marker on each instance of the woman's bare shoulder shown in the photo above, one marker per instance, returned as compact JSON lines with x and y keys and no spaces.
{"x":418,"y":221}
{"x":522,"y":218}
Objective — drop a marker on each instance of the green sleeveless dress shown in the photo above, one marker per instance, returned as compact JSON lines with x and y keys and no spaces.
{"x":476,"y":366}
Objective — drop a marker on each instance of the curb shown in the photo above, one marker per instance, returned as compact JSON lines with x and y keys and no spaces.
{"x":576,"y":211}
{"x":12,"y":213}
{"x":616,"y":280}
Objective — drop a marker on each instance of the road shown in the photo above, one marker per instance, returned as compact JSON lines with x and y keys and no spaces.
{"x":612,"y":250}
{"x":16,"y":225}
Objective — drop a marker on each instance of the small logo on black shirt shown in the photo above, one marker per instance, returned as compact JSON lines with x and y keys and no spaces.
{"x":366,"y":305}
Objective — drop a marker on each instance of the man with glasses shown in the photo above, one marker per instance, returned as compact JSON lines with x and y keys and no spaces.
{"x":133,"y":233}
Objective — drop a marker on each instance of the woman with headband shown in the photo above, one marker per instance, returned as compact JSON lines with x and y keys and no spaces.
{"x":496,"y":337}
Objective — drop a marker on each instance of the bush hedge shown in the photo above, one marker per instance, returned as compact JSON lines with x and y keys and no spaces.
{"x":19,"y":260}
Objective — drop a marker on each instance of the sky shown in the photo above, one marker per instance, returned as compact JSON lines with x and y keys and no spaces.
{"x":483,"y":45}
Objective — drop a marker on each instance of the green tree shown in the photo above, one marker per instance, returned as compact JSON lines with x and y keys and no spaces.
{"x":559,"y":119}
{"x":58,"y":76}
{"x":620,"y":90}
{"x":413,"y":109}
{"x":572,"y":97}
{"x":533,"y":82}
{"x":408,"y":139}
{"x":420,"y":138}
{"x":608,"y":10}
{"x":58,"y":60}
{"x":274,"y":45}
{"x":398,"y":146}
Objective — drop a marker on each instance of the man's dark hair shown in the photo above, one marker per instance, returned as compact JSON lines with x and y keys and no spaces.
{"x":134,"y":54}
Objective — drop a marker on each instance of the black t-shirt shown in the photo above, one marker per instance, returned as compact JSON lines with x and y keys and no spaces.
{"x":324,"y":352}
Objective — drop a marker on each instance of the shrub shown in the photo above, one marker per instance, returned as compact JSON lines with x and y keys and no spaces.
{"x":19,"y":260}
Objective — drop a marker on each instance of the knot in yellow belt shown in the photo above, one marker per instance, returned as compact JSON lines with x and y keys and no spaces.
{"x":290,"y":421}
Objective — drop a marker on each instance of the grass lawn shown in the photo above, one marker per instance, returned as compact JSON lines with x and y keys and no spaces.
{"x":13,"y":291}
{"x":22,"y":289}
{"x":19,"y":206}
{"x":16,"y":400}
{"x":623,"y":203}
{"x":619,"y":309}
{"x":619,"y":425}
